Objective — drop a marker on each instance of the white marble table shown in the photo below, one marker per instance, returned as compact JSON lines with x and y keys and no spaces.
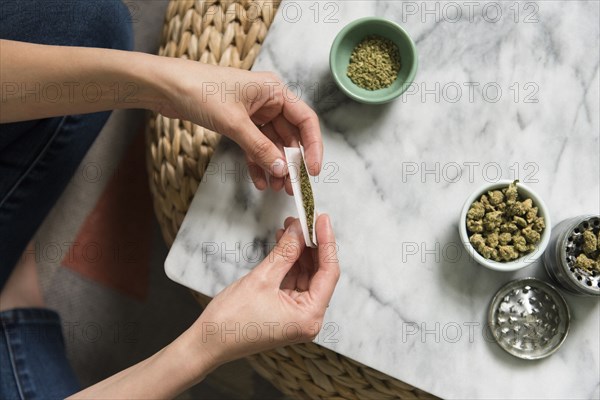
{"x":410,"y":301}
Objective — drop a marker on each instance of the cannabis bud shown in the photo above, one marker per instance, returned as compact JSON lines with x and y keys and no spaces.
{"x":589,"y":257}
{"x":503,"y":226}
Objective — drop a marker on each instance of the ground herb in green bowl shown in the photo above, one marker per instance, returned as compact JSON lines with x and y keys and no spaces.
{"x":374,"y":63}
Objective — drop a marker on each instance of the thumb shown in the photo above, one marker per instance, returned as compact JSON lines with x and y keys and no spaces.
{"x":284,"y":255}
{"x":261,"y":150}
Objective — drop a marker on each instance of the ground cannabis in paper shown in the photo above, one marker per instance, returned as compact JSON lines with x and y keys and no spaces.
{"x":307,"y":197}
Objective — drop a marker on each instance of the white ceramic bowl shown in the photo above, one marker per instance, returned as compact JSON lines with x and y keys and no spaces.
{"x":525,"y":260}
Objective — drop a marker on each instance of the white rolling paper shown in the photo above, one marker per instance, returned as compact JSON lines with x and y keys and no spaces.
{"x":294,"y":158}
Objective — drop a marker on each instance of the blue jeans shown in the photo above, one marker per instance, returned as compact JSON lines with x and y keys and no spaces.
{"x":33,"y":364}
{"x":37,"y":160}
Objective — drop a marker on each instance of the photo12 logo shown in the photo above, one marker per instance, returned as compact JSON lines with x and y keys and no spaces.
{"x":470,"y":11}
{"x":268,"y":332}
{"x":70,"y":92}
{"x":471,"y":171}
{"x":471,"y":92}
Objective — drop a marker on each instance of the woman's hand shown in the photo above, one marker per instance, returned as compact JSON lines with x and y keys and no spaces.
{"x":253,"y":108}
{"x":281,"y":301}
{"x":286,"y":295}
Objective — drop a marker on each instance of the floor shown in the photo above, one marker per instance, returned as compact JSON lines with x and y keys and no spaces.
{"x":100,"y":257}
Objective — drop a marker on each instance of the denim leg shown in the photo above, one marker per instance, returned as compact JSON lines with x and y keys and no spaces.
{"x":33,"y":364}
{"x":38,"y":158}
{"x":98,"y":23}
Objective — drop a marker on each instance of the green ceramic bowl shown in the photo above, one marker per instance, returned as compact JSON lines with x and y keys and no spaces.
{"x":350,"y":36}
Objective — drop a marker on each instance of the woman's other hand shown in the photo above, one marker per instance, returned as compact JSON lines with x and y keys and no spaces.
{"x":280,"y":302}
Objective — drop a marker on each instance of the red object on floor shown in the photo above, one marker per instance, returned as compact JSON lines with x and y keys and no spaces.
{"x":114,"y":243}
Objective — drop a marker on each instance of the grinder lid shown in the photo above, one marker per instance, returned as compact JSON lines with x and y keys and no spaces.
{"x":529,"y":318}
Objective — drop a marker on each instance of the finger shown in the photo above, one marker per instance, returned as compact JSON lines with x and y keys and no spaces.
{"x":312,"y":258}
{"x":269,"y":131}
{"x":274,"y":182}
{"x":289,"y":282}
{"x":256,"y":174}
{"x":309,"y":260}
{"x":306,"y":269}
{"x":288,"y":221}
{"x":305,"y":119}
{"x":287,"y":132}
{"x":283,"y":256}
{"x":288,"y":186}
{"x":328,"y":272}
{"x":279,"y":234}
{"x":268,"y":101}
{"x":261,"y":150}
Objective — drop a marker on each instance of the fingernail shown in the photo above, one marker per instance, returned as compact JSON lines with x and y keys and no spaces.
{"x":314,"y":169}
{"x":278,"y":168}
{"x":295,"y":229}
{"x":327,"y":221}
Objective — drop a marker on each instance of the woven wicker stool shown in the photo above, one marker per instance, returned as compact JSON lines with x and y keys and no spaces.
{"x":230,"y":33}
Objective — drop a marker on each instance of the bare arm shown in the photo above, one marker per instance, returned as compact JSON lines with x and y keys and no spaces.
{"x":39,"y":81}
{"x":180,"y":365}
{"x":252,"y":108}
{"x":93,"y":80}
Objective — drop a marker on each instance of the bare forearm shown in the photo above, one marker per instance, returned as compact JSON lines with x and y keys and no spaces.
{"x":38,"y":81}
{"x":169,"y":372}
